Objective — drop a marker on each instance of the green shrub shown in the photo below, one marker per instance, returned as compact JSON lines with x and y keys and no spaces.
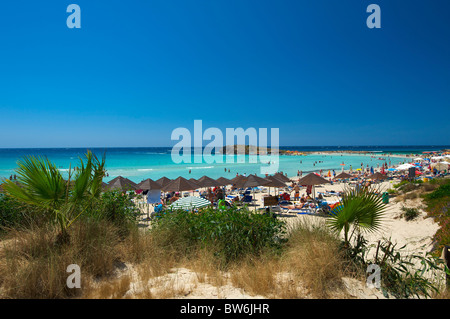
{"x":410,"y":213}
{"x":14,"y":214}
{"x":399,"y":277}
{"x":441,"y":192}
{"x":115,"y":207}
{"x":230,"y":233}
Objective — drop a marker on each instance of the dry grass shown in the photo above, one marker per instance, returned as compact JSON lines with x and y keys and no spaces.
{"x":256,"y":276}
{"x":33,"y":266}
{"x":314,"y":259}
{"x":113,"y":289}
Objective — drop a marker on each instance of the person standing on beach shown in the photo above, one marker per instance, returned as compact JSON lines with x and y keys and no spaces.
{"x":297,"y":192}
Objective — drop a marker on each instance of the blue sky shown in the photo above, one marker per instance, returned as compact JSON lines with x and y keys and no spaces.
{"x":136,"y":70}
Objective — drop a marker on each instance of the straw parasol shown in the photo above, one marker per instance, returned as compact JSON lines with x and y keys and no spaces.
{"x":252,"y":181}
{"x":274,"y":182}
{"x":163,"y":181}
{"x":343,"y":175}
{"x":148,"y":184}
{"x":122,"y":183}
{"x":311,"y":180}
{"x":195,"y":182}
{"x":282,"y":177}
{"x":238,"y":179}
{"x":104,"y":186}
{"x":206,"y":181}
{"x":377,"y":176}
{"x":224,"y":181}
{"x":179,"y":185}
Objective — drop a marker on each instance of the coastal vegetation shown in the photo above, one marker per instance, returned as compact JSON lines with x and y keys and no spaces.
{"x":48,"y":223}
{"x":435,"y":195}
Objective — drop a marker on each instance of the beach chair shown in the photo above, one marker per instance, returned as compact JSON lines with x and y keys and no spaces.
{"x":306,"y":210}
{"x":247,"y":199}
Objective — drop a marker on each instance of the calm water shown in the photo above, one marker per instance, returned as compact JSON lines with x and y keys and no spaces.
{"x":154,"y":162}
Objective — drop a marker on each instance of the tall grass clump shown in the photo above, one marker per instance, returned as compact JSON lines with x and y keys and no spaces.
{"x":313,"y":254}
{"x":32,"y":265}
{"x":14,"y":214}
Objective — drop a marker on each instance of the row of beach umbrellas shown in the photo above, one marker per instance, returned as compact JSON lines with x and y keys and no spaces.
{"x":182,"y":184}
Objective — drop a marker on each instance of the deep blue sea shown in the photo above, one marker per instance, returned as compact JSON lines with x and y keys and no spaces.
{"x":138,"y":164}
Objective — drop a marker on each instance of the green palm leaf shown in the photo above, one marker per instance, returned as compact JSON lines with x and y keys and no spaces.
{"x":362,"y":209}
{"x":40,"y":183}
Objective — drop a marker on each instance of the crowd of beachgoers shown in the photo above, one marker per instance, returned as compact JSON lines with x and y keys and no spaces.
{"x":292,"y":193}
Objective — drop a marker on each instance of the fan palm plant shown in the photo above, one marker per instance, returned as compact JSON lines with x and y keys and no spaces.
{"x":361,"y":209}
{"x":41,"y":184}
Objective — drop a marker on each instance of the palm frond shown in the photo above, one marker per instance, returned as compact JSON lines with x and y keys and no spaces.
{"x":40,"y":183}
{"x":362,"y":208}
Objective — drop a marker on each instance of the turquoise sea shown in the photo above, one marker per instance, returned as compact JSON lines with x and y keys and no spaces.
{"x":138,"y":164}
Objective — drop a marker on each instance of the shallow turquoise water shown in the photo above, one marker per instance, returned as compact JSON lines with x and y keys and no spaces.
{"x":141,"y":163}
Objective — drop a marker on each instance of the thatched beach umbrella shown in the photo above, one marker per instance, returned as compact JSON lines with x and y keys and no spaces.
{"x":122,"y":183}
{"x":104,"y":186}
{"x":343,"y":175}
{"x":148,"y":184}
{"x":195,"y":182}
{"x":274,"y":182}
{"x":224,"y":181}
{"x":252,"y":181}
{"x":163,"y":181}
{"x":282,"y":177}
{"x":180,"y":184}
{"x":206,"y":181}
{"x":238,"y":180}
{"x":377,"y":176}
{"x":312,"y":180}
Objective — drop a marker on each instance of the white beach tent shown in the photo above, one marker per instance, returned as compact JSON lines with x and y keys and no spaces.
{"x":405,"y":167}
{"x":440,"y":166}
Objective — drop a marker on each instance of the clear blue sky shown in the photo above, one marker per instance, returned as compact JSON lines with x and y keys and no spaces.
{"x":136,"y":70}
